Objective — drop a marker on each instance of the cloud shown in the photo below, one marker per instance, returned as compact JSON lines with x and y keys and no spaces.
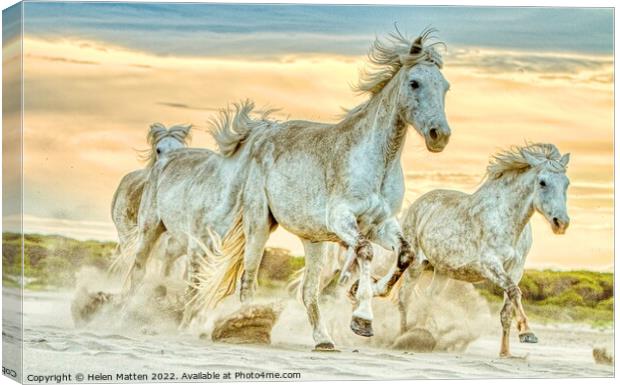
{"x":64,"y":60}
{"x":550,"y":67}
{"x":186,"y":106}
{"x":253,"y":29}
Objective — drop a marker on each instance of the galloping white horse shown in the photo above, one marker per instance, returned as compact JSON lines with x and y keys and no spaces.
{"x":323,"y":182}
{"x":126,"y":200}
{"x":487,"y":235}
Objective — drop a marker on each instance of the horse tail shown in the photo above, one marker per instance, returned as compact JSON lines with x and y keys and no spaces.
{"x":233,"y":126}
{"x":215,"y":276}
{"x":295,"y":286}
{"x":124,"y":256}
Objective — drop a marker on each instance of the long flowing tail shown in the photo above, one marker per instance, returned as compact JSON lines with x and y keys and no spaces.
{"x":125,"y":255}
{"x":295,"y":284}
{"x":217,"y":274}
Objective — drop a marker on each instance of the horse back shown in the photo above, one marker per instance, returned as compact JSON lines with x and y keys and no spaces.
{"x":428,"y":206}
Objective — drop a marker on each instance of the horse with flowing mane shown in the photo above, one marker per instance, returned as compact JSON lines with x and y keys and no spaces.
{"x":126,"y":200}
{"x":323,"y":182}
{"x":487,"y":235}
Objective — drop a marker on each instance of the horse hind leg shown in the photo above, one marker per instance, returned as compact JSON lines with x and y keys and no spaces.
{"x":315,"y":260}
{"x":192,"y":307}
{"x":148,"y":238}
{"x":257,"y":229}
{"x":258,"y":223}
{"x":174,"y":249}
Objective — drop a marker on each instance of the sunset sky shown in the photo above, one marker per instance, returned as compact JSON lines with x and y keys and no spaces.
{"x":97,"y":75}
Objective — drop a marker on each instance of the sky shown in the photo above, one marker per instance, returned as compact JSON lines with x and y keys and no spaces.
{"x":97,"y":75}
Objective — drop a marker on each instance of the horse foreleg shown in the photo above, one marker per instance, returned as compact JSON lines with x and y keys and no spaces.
{"x":390,"y":237}
{"x":361,"y":323}
{"x":404,"y":295}
{"x":525,"y":333}
{"x":315,"y":260}
{"x":497,"y":275}
{"x":506,"y":320}
{"x":345,"y":227}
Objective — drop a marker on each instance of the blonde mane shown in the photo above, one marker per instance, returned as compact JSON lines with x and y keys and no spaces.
{"x":387,"y":57}
{"x":232,"y":126}
{"x":157,"y":132}
{"x":521,"y":158}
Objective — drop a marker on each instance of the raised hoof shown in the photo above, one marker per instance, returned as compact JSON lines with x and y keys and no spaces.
{"x":361,"y":327}
{"x":325,"y":347}
{"x":528,"y":338}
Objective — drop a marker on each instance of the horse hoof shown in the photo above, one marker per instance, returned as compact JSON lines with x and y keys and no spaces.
{"x":528,"y":338}
{"x":361,"y":327}
{"x":325,"y":347}
{"x":508,"y":356}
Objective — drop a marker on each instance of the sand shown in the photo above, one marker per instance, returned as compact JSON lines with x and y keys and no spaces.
{"x":54,"y":345}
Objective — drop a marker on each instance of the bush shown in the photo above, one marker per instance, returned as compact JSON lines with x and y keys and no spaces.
{"x":568,"y":298}
{"x":51,"y":260}
{"x":563,"y":295}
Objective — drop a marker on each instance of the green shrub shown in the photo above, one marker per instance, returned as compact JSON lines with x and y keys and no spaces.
{"x":52,"y":260}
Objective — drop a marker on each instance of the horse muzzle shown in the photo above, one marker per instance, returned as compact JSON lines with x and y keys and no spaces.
{"x":437,"y":138}
{"x":559,"y":225}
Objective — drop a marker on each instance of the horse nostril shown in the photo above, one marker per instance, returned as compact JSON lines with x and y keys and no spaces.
{"x":556,"y":222}
{"x":433,"y":133}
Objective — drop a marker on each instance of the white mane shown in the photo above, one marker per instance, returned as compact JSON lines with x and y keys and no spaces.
{"x":387,"y":57}
{"x":521,"y":158}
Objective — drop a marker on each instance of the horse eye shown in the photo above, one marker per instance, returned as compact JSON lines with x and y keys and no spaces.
{"x":542,"y":183}
{"x":414,"y":84}
{"x":158,"y":151}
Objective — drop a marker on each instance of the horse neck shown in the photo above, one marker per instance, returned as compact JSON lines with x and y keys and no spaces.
{"x":512,"y":197}
{"x":380,"y":126}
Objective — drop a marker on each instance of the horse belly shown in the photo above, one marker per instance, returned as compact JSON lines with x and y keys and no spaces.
{"x":456,"y":264}
{"x":298,"y":203}
{"x":465,"y":274}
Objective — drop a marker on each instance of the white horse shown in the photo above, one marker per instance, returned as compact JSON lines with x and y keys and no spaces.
{"x":487,"y":235}
{"x":323,"y":182}
{"x":126,"y":199}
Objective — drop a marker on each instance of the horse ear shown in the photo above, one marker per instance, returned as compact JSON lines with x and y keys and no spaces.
{"x":156,"y":127}
{"x":416,"y":47}
{"x":531,"y":159}
{"x":564,"y":159}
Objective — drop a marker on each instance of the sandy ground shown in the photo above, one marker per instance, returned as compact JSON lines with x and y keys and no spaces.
{"x":54,"y":345}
